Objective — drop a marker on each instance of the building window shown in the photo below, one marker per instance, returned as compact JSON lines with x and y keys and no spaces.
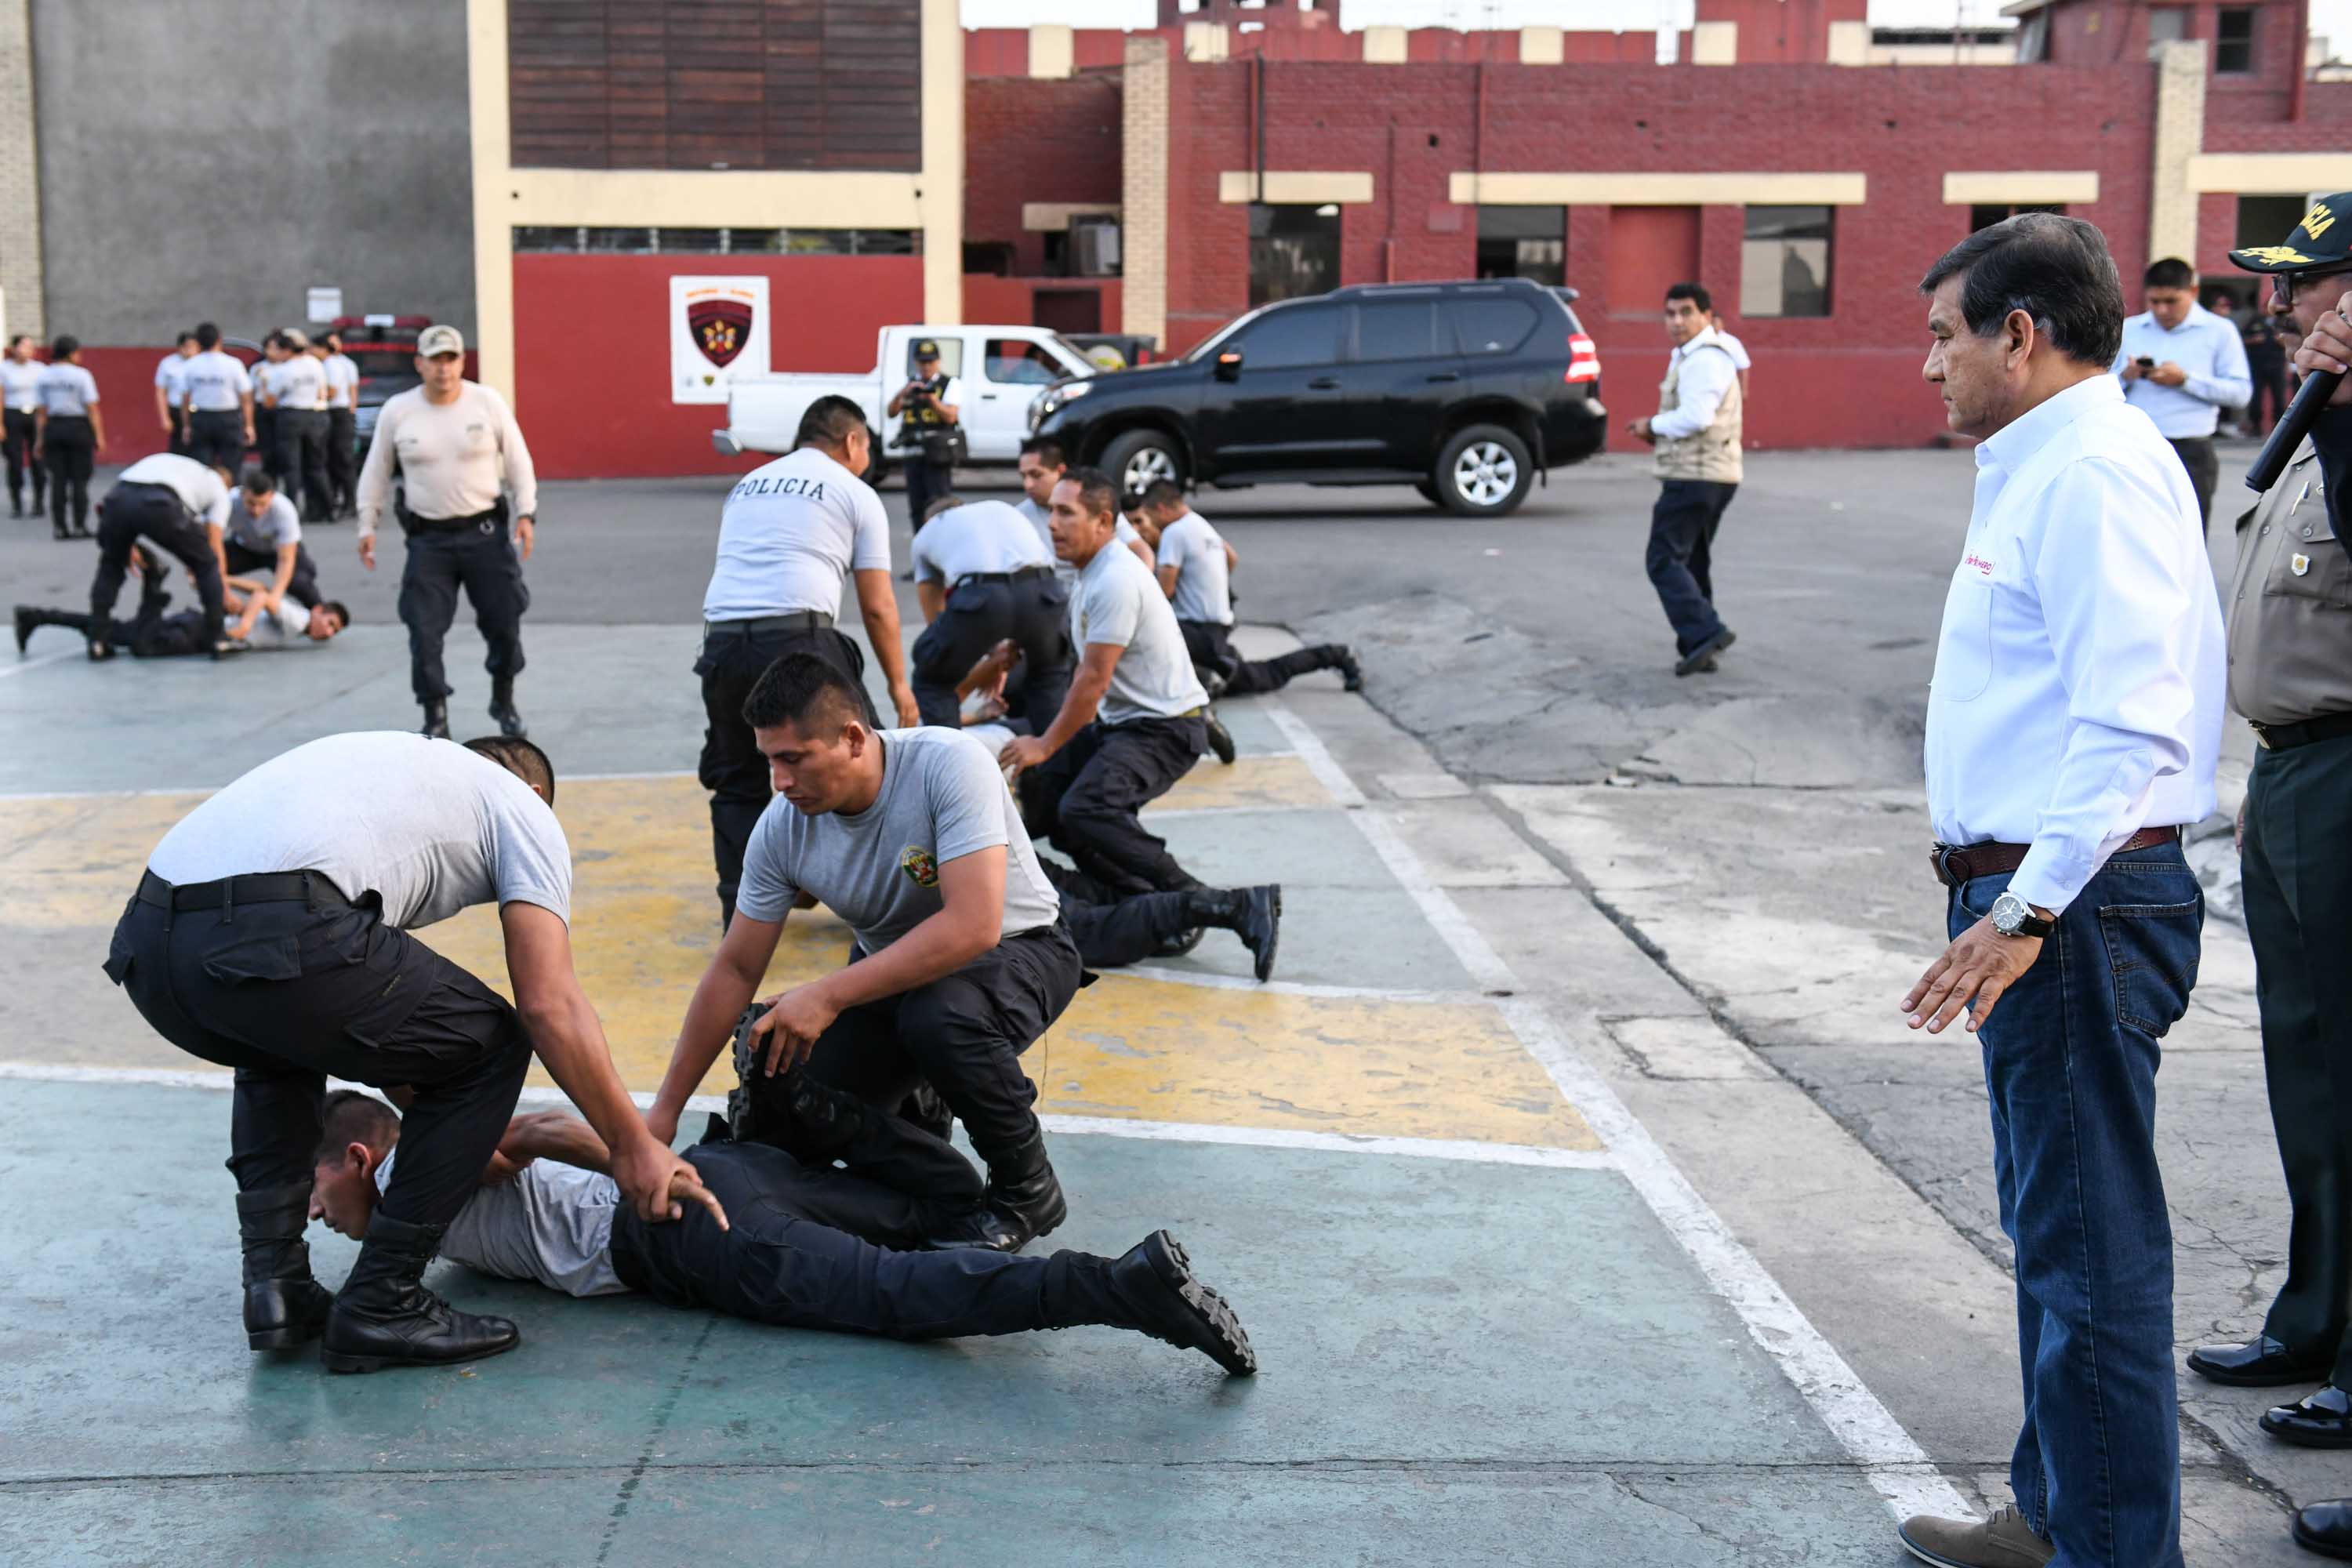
{"x":2168,"y":25}
{"x":2233,"y":41}
{"x":2033,"y":37}
{"x":2267,"y":220}
{"x":544,"y":241}
{"x":1982,"y":217}
{"x":988,"y":258}
{"x":1784,"y":263}
{"x":1294,"y":250}
{"x":1523,"y":242}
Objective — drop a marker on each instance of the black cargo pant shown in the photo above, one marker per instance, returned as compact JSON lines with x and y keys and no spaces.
{"x":963,"y":1034}
{"x":1033,"y":608}
{"x":796,"y":1254}
{"x":925,"y":482}
{"x":217,"y":436}
{"x":730,"y":663}
{"x":1114,"y":930}
{"x":265,"y":441}
{"x":1679,"y":563}
{"x":290,"y":991}
{"x":153,"y":634}
{"x":342,"y":461}
{"x":19,"y":449}
{"x":1085,"y":799}
{"x":1211,"y":643}
{"x":302,"y":461}
{"x":477,"y":554}
{"x":244,"y":561}
{"x":154,"y":512}
{"x":69,"y":447}
{"x":2204,"y":466}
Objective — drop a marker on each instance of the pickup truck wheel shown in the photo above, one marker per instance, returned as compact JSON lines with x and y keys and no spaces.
{"x":1140,"y":457}
{"x":1483,"y":471}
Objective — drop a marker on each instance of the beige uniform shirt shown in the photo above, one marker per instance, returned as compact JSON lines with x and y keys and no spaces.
{"x":450,"y":457}
{"x":2291,"y":605}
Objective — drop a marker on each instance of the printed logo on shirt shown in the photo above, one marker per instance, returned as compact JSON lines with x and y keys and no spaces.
{"x":1978,"y":564}
{"x":920,"y":866}
{"x":812,"y":488}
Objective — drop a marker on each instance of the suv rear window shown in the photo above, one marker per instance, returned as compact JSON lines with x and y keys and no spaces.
{"x":1492,"y":326}
{"x":1296,"y":337}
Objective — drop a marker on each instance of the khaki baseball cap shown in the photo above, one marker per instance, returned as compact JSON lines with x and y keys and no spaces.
{"x":296,"y":338}
{"x":440,"y":340}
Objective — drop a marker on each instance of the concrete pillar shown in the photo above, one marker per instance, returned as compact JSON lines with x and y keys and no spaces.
{"x":486,"y":75}
{"x":1143,"y":213}
{"x":940,"y":198}
{"x":1053,"y":52}
{"x":1541,"y":46}
{"x":1715,"y":44}
{"x":2180,"y":137}
{"x":1849,"y":44}
{"x":1385,"y":46}
{"x":20,"y":175}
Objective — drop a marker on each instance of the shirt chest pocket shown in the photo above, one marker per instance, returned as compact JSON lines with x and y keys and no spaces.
{"x":1964,"y":652}
{"x":2311,"y":564}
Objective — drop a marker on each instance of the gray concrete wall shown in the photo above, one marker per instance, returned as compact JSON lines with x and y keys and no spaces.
{"x":171,"y":193}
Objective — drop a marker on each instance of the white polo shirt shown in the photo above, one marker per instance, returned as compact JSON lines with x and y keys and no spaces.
{"x":982,"y":536}
{"x":790,"y":534}
{"x":216,"y":383}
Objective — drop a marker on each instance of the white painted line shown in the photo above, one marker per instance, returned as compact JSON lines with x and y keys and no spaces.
{"x":22,"y":665}
{"x":1897,"y":1467}
{"x":1312,"y":752}
{"x":1210,"y":981}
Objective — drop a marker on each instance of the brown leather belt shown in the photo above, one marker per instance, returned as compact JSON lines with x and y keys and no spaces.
{"x":1958,"y":863}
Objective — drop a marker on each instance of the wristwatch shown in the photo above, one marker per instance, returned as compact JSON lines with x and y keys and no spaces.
{"x":2013,"y":916}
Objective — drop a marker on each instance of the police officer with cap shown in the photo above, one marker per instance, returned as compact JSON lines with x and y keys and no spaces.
{"x":929,"y":409}
{"x":2290,"y":675}
{"x":451,"y":440}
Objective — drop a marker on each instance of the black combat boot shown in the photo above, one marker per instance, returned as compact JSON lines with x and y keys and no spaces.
{"x":1152,"y":1289}
{"x":1024,"y":1199}
{"x":1253,"y":915}
{"x":1221,"y":739}
{"x":284,"y":1307}
{"x":1343,"y":659}
{"x":502,"y":709}
{"x":436,"y":720}
{"x":30,"y":619}
{"x":384,"y":1316}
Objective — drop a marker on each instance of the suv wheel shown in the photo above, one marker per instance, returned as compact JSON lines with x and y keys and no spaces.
{"x":1139,"y":457}
{"x":1483,"y":471}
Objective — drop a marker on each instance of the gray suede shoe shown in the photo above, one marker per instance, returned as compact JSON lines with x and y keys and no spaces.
{"x":2002,"y":1542}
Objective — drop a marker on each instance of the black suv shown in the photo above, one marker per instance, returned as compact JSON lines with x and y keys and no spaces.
{"x":1465,"y":391}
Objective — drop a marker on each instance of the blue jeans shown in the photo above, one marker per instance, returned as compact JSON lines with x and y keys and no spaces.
{"x":2069,"y":1056}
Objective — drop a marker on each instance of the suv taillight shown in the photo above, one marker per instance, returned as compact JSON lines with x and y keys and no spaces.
{"x":1583,"y":359}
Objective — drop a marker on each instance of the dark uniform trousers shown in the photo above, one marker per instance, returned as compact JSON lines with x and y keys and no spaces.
{"x":69,"y":447}
{"x":343,"y":463}
{"x":265,"y":441}
{"x":1211,"y":643}
{"x":155,"y":512}
{"x":734,"y":655}
{"x":1031,"y":607}
{"x":302,"y":461}
{"x":18,"y":424}
{"x":1085,"y":798}
{"x":477,"y":554}
{"x":217,"y":436}
{"x":1683,"y":526}
{"x":155,"y":634}
{"x":963,"y":1034}
{"x":302,"y":587}
{"x":800,"y":1252}
{"x":925,"y":482}
{"x":1114,"y":930}
{"x":2204,"y":466}
{"x":2298,"y":900}
{"x":2269,"y":401}
{"x":292,"y":989}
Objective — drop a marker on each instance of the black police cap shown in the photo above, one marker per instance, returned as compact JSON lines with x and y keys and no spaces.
{"x":926,"y":349}
{"x":2322,"y":240}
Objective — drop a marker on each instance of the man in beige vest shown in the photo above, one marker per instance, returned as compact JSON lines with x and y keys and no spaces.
{"x":1696,"y":433}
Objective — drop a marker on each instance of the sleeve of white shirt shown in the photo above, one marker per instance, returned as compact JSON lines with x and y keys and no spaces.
{"x":953,"y":394}
{"x":375,"y":474}
{"x":2231,"y":385}
{"x":88,"y":386}
{"x":1706,"y":376}
{"x":869,"y":543}
{"x":521,"y":478}
{"x":1171,"y":546}
{"x":244,"y":381}
{"x":216,"y":514}
{"x":2116,"y":591}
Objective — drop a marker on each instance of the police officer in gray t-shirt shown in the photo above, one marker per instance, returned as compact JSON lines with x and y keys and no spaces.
{"x":270,"y":933}
{"x":961,"y":961}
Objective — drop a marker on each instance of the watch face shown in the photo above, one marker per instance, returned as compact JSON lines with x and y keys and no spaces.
{"x":2008,"y":912}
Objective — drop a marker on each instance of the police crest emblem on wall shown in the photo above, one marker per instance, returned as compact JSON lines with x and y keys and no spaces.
{"x":721,"y":327}
{"x":718,"y":330}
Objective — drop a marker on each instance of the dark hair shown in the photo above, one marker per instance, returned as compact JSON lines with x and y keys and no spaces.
{"x":518,"y":757}
{"x":1046,"y":450}
{"x":1162,"y":492}
{"x":65,"y":348}
{"x":1097,"y":494}
{"x":347,"y":1117}
{"x":1696,"y":293}
{"x":259,"y":482}
{"x":183,"y":338}
{"x":829,"y":422}
{"x":343,"y":617}
{"x":1132,"y":501}
{"x":207,"y":336}
{"x":2056,"y":269}
{"x":332,"y":335}
{"x":944,"y":503}
{"x":804,"y":691}
{"x":2169,"y":273}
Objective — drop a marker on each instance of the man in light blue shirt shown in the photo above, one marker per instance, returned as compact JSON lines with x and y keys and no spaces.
{"x":2181,"y":365}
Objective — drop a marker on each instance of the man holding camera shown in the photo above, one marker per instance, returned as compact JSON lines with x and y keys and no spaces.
{"x":928,"y":408}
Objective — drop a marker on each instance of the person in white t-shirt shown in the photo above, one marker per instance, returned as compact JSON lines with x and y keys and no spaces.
{"x":270,"y":933}
{"x":982,"y":579}
{"x":217,"y":403}
{"x":342,"y":423}
{"x":20,"y":376}
{"x":1134,"y":721}
{"x":169,"y":501}
{"x":262,"y":533}
{"x":172,"y":392}
{"x":1195,"y":568}
{"x":69,"y":428}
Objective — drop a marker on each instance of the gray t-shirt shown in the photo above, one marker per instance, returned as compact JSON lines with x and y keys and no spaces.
{"x":943,"y":797}
{"x":1197,"y":554}
{"x":1118,"y":601}
{"x":277,"y":526}
{"x":552,"y":1223}
{"x":791,"y":532}
{"x":429,"y":824}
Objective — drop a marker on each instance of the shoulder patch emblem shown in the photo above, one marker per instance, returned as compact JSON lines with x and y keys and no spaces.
{"x":919,"y":865}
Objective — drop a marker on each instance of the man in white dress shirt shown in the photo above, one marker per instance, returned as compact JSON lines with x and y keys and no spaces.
{"x":2181,"y":365}
{"x":2072,"y":732}
{"x":1697,"y":432}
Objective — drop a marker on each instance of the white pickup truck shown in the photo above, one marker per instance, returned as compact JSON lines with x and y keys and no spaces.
{"x":1003,"y":369}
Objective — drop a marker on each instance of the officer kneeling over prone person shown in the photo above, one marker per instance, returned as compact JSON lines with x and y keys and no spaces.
{"x":961,"y":958}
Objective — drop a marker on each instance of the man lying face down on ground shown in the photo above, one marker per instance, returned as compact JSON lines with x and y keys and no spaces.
{"x":800,"y":1252}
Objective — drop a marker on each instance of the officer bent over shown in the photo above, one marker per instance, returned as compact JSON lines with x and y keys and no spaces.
{"x":983,"y":579}
{"x":172,"y":501}
{"x":450,"y":439}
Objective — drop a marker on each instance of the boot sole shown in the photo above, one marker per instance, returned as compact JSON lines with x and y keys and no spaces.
{"x":341,"y":1361}
{"x":1230,"y":1345}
